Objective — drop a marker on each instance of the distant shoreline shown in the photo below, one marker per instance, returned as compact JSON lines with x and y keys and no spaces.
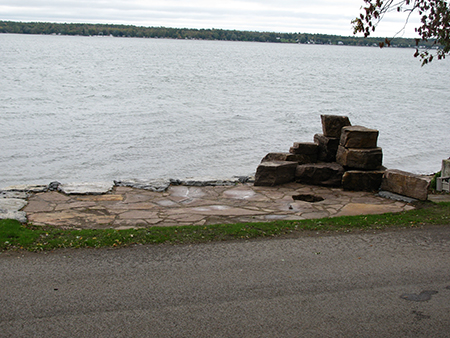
{"x":85,"y":29}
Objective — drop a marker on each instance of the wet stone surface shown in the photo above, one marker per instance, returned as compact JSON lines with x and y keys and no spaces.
{"x":124,"y":207}
{"x":424,"y":296}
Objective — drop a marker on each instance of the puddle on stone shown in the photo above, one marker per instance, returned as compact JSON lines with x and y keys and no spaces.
{"x":307,"y":198}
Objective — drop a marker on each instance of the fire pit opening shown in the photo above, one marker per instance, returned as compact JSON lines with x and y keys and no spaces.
{"x":307,"y":198}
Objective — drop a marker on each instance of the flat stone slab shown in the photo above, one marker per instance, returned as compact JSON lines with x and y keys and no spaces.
{"x":354,"y":209}
{"x":209,"y":182}
{"x":153,"y":185}
{"x":14,"y":194}
{"x":139,"y":214}
{"x":78,"y":219}
{"x":12,"y":204}
{"x":221,"y":210}
{"x":239,"y":193}
{"x":20,"y":216}
{"x":396,"y":197}
{"x":95,"y":188}
{"x":126,"y":207}
{"x":185,"y":192}
{"x":26,"y":188}
{"x":100,"y":198}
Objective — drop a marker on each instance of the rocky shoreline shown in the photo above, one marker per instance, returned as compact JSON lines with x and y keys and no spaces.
{"x":343,"y":157}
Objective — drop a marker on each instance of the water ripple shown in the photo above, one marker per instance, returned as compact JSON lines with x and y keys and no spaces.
{"x":80,"y":108}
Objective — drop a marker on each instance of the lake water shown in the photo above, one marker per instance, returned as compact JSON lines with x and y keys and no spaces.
{"x":80,"y":109}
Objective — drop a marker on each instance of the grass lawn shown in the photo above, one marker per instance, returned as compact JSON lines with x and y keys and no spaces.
{"x":15,"y":236}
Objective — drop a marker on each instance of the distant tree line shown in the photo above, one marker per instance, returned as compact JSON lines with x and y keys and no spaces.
{"x":196,"y":34}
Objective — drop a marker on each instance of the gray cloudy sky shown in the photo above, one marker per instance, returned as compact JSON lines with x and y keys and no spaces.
{"x":304,"y":16}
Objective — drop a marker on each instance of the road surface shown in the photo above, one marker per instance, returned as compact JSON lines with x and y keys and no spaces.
{"x":384,"y":284}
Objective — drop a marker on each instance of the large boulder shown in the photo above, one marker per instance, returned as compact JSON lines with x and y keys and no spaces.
{"x":275,"y":172}
{"x":358,"y":137}
{"x":298,"y":158}
{"x":332,"y":125}
{"x":406,"y":184}
{"x":364,"y":159}
{"x":328,"y":147}
{"x":358,"y":180}
{"x":326,"y":174}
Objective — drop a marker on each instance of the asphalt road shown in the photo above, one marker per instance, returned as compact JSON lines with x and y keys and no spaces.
{"x":385,"y":284}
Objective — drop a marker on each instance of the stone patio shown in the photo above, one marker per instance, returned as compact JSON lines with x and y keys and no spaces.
{"x":127,"y":207}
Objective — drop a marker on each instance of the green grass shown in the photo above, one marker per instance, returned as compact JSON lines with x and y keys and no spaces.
{"x":15,"y":236}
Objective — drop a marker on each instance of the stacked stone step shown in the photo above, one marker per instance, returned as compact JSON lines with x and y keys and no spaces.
{"x":274,"y":172}
{"x":329,"y":141}
{"x":279,"y":168}
{"x":344,"y":155}
{"x":362,"y":159}
{"x":309,"y":157}
{"x":325,"y":171}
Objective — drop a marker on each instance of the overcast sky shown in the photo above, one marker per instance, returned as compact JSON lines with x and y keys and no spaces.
{"x":303,"y":16}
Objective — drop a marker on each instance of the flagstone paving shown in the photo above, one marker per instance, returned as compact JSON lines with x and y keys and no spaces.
{"x":126,"y":207}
